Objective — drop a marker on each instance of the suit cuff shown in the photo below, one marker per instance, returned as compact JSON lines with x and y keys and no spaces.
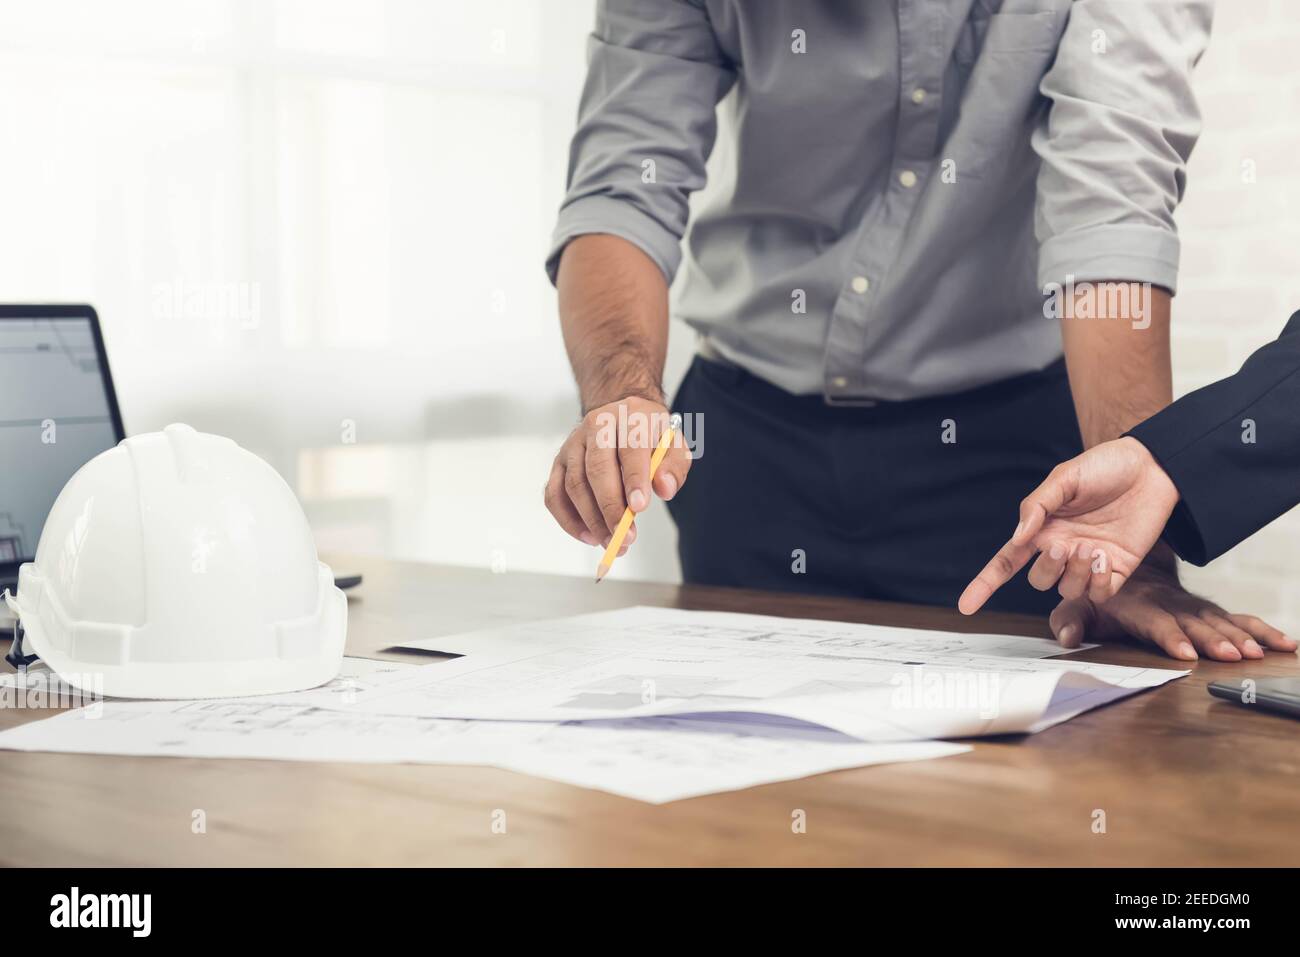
{"x":602,"y":214}
{"x":1195,"y":496}
{"x":1125,"y":252}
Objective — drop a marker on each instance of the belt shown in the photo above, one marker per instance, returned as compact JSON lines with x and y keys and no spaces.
{"x":706,"y":350}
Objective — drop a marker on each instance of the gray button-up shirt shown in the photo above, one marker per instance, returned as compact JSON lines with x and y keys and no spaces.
{"x":904,"y":178}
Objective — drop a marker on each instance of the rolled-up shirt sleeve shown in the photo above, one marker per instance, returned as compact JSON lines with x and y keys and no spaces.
{"x":646,"y":125}
{"x":1114,"y":141}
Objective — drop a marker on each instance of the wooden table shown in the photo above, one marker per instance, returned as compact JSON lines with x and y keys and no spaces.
{"x":1183,"y":778}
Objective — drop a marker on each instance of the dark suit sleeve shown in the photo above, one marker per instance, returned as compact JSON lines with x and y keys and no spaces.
{"x":1233,"y":451}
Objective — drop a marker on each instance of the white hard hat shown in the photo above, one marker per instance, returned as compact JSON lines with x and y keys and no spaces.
{"x":178,"y":565}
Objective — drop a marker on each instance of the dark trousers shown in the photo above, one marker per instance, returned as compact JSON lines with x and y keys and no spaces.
{"x":791,"y":494}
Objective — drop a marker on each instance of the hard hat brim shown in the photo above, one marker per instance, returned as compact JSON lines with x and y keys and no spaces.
{"x":208,"y":678}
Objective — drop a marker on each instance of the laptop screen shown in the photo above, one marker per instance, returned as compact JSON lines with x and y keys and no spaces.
{"x":55,"y":416}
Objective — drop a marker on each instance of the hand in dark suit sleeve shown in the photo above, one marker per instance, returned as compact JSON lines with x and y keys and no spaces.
{"x":1207,"y":472}
{"x":1232,"y":450}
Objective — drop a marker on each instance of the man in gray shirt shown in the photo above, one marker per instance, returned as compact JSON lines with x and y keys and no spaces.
{"x":924,"y":204}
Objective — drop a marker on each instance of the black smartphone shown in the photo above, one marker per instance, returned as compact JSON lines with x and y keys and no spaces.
{"x":1273,"y":694}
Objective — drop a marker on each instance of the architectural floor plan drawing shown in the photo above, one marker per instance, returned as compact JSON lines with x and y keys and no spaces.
{"x":648,"y":759}
{"x":649,"y":703}
{"x":355,"y":675}
{"x":640,"y":625}
{"x":873,"y":683}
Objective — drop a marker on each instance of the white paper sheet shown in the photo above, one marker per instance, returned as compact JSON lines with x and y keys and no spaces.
{"x":876,"y":684}
{"x":648,"y":759}
{"x":635,"y":626}
{"x":653,"y":704}
{"x":355,"y":675}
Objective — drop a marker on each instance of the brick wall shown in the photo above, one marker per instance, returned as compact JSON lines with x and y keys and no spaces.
{"x":1240,"y":275}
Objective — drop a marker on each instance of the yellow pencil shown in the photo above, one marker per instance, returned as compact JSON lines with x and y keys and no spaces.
{"x":615,"y":543}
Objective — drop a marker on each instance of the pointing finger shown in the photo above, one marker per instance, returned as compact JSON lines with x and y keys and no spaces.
{"x":1000,"y":570}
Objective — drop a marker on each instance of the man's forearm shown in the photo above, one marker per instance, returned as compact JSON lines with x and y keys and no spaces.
{"x":614,"y":315}
{"x":1116,"y":338}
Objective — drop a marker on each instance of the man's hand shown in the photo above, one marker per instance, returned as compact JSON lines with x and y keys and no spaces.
{"x":1155,"y":608}
{"x":604,"y":466}
{"x":1092,"y":522}
{"x":614,"y":314}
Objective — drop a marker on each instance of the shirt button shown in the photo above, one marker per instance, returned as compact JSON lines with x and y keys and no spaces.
{"x":839,"y":382}
{"x":918,"y":97}
{"x":907,"y":178}
{"x":860,"y":284}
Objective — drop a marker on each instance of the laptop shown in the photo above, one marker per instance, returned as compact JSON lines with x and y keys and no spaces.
{"x":58,"y":410}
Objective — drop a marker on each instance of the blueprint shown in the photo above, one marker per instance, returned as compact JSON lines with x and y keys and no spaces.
{"x":648,"y":703}
{"x":648,"y":759}
{"x":869,"y":682}
{"x":640,"y":625}
{"x":36,"y":687}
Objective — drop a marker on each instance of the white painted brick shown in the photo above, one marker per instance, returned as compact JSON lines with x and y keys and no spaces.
{"x":1272,"y":55}
{"x":1240,"y":273}
{"x":1221,"y":307}
{"x":1229,"y":108}
{"x":1236,"y":594}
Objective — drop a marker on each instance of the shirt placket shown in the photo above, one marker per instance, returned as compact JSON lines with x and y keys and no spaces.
{"x":920,"y":36}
